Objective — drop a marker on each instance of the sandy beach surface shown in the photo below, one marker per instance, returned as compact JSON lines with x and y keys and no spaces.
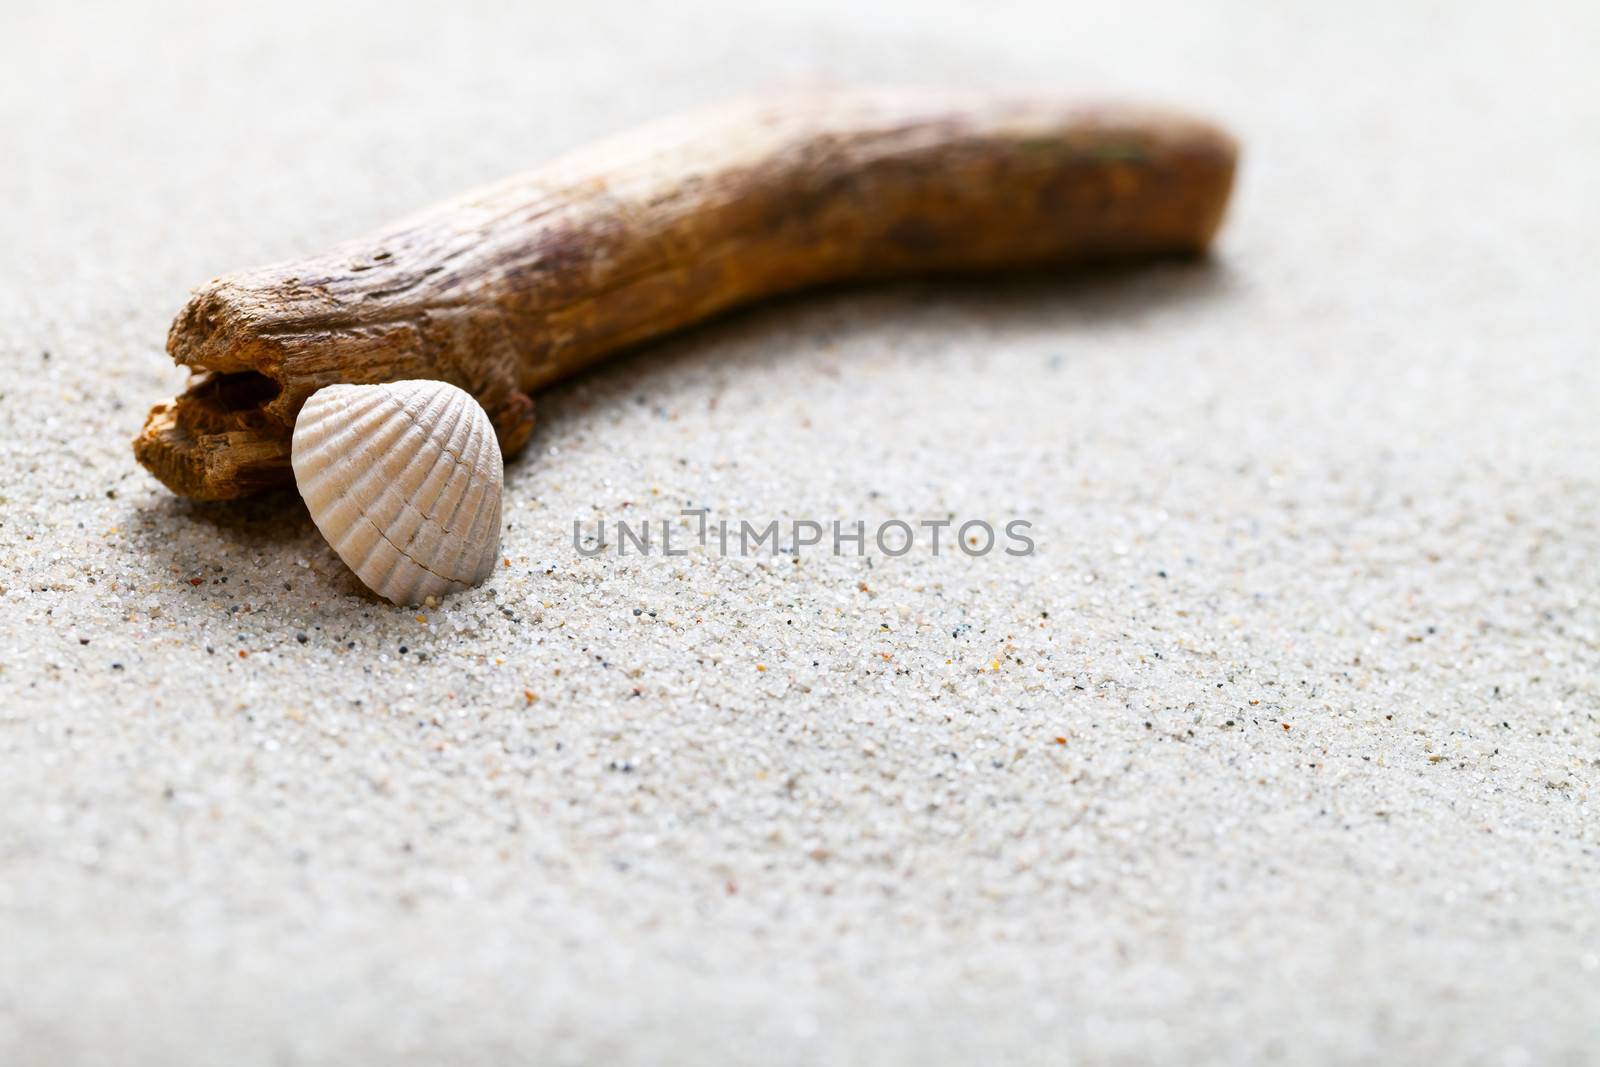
{"x":1283,"y":746}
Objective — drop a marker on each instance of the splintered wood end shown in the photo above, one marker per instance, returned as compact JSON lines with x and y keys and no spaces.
{"x":213,"y":442}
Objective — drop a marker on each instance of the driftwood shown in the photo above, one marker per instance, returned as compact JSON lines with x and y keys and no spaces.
{"x":516,"y":285}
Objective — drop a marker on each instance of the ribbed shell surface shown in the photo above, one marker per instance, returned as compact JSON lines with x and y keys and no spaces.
{"x":404,"y":481}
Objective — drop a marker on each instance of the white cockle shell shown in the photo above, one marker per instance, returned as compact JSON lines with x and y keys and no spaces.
{"x":404,"y":481}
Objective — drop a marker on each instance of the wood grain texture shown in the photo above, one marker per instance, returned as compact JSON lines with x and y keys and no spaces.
{"x":511,"y":287}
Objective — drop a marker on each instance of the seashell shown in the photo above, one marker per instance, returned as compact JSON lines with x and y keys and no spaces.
{"x":403,"y":479}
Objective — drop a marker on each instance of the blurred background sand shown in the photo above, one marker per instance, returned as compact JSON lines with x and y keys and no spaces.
{"x":1284,"y":747}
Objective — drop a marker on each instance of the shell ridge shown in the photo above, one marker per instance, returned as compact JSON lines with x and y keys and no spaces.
{"x":315,"y":426}
{"x":477,"y":438}
{"x":437,"y":405}
{"x":487,"y":535}
{"x":386,"y":435}
{"x":459,"y":561}
{"x":338,"y":445}
{"x":352,"y":414}
{"x":406,"y":556}
{"x":443,"y":447}
{"x":461,"y":473}
{"x":475,"y":545}
{"x":461,"y":411}
{"x":475,"y":533}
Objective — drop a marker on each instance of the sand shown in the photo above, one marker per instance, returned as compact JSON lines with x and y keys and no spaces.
{"x":1283,"y":746}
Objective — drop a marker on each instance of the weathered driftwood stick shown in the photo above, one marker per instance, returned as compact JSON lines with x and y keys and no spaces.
{"x":516,"y":285}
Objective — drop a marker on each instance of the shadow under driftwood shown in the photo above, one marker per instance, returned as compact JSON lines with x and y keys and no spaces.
{"x":1072,"y":303}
